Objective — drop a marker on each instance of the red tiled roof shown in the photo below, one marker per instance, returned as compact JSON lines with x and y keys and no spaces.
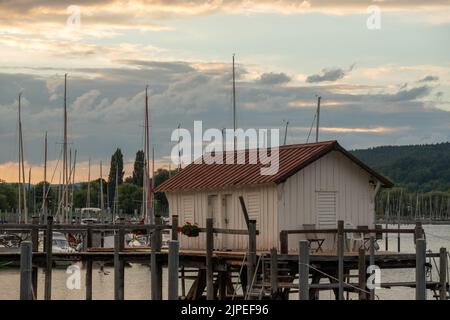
{"x":292,"y":158}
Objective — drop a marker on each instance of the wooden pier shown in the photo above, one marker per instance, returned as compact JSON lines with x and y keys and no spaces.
{"x":274,"y":274}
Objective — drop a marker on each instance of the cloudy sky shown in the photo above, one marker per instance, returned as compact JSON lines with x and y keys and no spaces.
{"x":379,"y":86}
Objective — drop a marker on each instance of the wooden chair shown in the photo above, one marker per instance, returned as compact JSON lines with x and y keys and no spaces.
{"x":313,"y":239}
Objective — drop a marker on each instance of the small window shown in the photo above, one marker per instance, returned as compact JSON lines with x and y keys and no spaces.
{"x":326,"y":209}
{"x":253,"y":206}
{"x":188,"y":209}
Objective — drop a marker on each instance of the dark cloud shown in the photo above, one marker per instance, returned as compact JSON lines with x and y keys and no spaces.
{"x":332,"y":74}
{"x":273,"y":78}
{"x":106,"y":109}
{"x":429,"y":79}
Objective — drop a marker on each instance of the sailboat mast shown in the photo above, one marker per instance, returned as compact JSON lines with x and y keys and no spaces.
{"x":64,"y":167}
{"x":101,"y":190}
{"x":20,"y":162}
{"x":147,"y":158}
{"x":88,"y":201}
{"x":234,"y":105}
{"x":318,"y":118}
{"x":73,"y":179}
{"x":44,"y":187}
{"x":285,"y":132}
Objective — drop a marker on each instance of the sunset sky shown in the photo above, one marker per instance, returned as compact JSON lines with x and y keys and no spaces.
{"x":379,"y":86}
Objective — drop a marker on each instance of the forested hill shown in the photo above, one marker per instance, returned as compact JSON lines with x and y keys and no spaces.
{"x":419,"y":168}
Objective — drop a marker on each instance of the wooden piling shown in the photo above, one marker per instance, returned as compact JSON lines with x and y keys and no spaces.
{"x":49,"y":259}
{"x":26,"y":271}
{"x":175,"y":227}
{"x":251,"y":261}
{"x":303,"y":270}
{"x":173,"y":264}
{"x":372,"y":262}
{"x":341,"y":259}
{"x":362,"y":274}
{"x":155,"y":266}
{"x":274,"y":270}
{"x":35,"y":248}
{"x":118,"y":269}
{"x":443,"y":273}
{"x":284,"y":242}
{"x":209,"y":261}
{"x":418,"y":231}
{"x":89,"y":265}
{"x":420,"y":269}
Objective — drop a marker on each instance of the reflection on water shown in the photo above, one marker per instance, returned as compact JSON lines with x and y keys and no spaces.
{"x":137,"y":277}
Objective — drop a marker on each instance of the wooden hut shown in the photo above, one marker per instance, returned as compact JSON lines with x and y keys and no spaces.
{"x":316,"y":184}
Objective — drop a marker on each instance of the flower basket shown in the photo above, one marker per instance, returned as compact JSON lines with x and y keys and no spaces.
{"x":190,"y":230}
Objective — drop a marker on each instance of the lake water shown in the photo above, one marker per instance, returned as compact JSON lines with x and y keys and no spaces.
{"x":137,"y":277}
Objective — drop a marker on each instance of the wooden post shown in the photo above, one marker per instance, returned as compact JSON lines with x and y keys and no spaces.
{"x":274,"y":270}
{"x":341,"y":259}
{"x":303,"y":270}
{"x":155,"y":266}
{"x":118,"y":269}
{"x":35,"y":248}
{"x":284,"y":242}
{"x":443,"y":273}
{"x":418,"y":231}
{"x":362,"y":273}
{"x":251,"y":261}
{"x":372,"y":262}
{"x":420,"y":269}
{"x":89,"y":265}
{"x":173,"y":264}
{"x":209,"y":261}
{"x":175,"y":227}
{"x":26,"y":270}
{"x":49,"y":260}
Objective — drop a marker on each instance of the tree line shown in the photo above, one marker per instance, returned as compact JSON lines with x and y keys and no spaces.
{"x":130,"y":190}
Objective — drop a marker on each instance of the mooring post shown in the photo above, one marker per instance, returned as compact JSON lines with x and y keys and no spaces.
{"x":443,"y":273}
{"x":274,"y":270}
{"x":175,"y":227}
{"x":362,"y":273}
{"x":303,"y":270}
{"x":341,"y":259}
{"x":35,"y":248}
{"x":251,"y":262}
{"x":421,"y":248}
{"x":49,"y":260}
{"x":372,"y":263}
{"x":25,"y":270}
{"x":173,"y":264}
{"x":89,"y":265}
{"x":118,"y":269}
{"x":155,"y":266}
{"x":418,"y":231}
{"x":209,"y":260}
{"x":284,"y":242}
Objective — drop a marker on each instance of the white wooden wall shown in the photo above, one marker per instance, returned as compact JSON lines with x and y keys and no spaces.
{"x":261,"y":203}
{"x":297,"y":197}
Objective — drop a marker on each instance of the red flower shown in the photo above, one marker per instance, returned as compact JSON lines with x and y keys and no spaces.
{"x":179,"y":229}
{"x":188,"y":232}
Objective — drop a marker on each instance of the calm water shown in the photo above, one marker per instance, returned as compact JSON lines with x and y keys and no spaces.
{"x":137,"y":277}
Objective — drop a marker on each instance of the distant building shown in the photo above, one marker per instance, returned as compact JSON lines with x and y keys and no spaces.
{"x":317,"y":183}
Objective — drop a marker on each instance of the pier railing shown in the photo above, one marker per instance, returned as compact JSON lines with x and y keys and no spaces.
{"x":378,"y":231}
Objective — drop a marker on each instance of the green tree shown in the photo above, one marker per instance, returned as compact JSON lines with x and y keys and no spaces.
{"x":138,"y":171}
{"x":115,"y":170}
{"x":130,"y":198}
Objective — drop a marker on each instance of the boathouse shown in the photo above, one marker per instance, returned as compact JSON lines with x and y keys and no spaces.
{"x":317,"y":184}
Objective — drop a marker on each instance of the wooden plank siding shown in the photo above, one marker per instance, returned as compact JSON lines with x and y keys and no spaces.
{"x":288,"y":205}
{"x":263,"y":206}
{"x":298,"y":196}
